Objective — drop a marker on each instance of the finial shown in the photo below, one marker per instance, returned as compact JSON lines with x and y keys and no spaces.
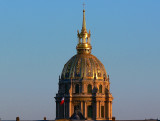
{"x":84,"y":45}
{"x":83,"y":6}
{"x":84,"y":22}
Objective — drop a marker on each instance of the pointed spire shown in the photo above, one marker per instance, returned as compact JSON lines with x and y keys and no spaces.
{"x":84,"y":46}
{"x":84,"y":22}
{"x":84,"y":34}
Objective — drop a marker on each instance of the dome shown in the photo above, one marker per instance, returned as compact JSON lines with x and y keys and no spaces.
{"x":85,"y":66}
{"x":84,"y":84}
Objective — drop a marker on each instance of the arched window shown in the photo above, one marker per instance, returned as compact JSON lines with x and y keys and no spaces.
{"x":100,"y":88}
{"x":89,"y":89}
{"x":90,"y":111}
{"x":77,"y":88}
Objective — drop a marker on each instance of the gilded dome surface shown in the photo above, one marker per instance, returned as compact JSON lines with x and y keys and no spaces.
{"x":85,"y":66}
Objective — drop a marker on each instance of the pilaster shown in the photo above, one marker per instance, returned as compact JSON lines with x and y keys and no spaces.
{"x":97,"y":106}
{"x":82,"y":107}
{"x":85,"y":105}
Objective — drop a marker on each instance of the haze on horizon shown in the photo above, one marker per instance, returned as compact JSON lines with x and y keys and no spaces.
{"x":38,"y":37}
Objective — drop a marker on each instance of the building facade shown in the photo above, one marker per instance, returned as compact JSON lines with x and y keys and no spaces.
{"x":84,"y":84}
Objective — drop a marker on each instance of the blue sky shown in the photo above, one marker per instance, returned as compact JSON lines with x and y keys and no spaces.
{"x":38,"y":37}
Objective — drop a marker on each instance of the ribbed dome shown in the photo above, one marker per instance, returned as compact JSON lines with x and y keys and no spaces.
{"x":85,"y":66}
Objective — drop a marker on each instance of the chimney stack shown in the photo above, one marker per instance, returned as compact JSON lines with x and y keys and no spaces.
{"x":17,"y":119}
{"x":113,"y":118}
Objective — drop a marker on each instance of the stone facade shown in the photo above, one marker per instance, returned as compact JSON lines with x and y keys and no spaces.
{"x":84,"y":84}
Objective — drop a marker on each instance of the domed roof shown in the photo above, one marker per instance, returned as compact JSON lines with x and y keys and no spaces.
{"x":85,"y":66}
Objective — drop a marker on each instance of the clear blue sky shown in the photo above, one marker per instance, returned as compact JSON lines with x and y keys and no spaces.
{"x":38,"y":37}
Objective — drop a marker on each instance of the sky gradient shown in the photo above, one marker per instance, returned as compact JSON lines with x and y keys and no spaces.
{"x":38,"y":37}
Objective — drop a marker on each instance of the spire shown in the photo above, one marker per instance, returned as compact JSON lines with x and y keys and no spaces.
{"x":84,"y":38}
{"x":84,"y":23}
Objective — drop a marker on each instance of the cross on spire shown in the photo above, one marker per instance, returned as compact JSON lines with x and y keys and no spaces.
{"x":83,"y":5}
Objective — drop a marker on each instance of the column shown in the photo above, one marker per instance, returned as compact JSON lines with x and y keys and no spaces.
{"x":111,"y":110}
{"x":56,"y":109}
{"x":60,"y":110}
{"x":104,"y":109}
{"x":97,"y":108}
{"x":70,"y":108}
{"x":108,"y":111}
{"x":85,"y":105}
{"x":100,"y":109}
{"x":82,"y":107}
{"x":66,"y":110}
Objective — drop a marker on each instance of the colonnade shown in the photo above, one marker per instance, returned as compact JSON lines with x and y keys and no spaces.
{"x":67,"y":109}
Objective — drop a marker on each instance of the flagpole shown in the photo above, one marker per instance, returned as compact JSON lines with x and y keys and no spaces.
{"x":64,"y":108}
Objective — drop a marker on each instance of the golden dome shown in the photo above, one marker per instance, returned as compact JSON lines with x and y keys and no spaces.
{"x":83,"y":66}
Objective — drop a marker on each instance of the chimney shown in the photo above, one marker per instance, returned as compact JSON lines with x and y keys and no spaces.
{"x":113,"y":118}
{"x":17,"y":119}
